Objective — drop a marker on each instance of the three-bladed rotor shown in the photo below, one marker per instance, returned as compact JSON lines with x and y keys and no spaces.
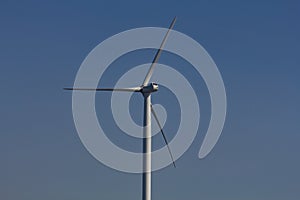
{"x":146,"y":88}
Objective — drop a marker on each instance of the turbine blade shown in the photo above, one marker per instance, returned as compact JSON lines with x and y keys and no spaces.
{"x":134,"y":89}
{"x":163,"y":134}
{"x":157,"y":55}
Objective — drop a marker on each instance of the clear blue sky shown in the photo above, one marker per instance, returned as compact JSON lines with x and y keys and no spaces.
{"x":256,"y":46}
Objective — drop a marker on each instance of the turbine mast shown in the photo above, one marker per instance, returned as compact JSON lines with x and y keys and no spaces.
{"x":146,"y":193}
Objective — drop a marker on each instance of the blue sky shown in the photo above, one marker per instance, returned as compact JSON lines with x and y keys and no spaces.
{"x":256,"y":46}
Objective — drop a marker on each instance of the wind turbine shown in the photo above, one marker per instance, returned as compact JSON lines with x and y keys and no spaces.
{"x":146,"y":89}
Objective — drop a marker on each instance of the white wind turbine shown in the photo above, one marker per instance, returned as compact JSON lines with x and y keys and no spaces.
{"x":146,"y":89}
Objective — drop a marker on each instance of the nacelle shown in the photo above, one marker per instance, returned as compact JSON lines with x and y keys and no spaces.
{"x":151,"y":87}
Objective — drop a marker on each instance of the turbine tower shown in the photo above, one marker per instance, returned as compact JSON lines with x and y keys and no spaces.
{"x":146,"y":89}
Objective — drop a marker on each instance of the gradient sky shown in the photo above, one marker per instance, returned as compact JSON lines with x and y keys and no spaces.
{"x":256,"y":46}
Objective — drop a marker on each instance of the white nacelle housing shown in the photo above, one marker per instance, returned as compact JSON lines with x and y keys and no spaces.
{"x":151,"y":87}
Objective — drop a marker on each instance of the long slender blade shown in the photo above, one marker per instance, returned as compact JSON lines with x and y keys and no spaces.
{"x":134,"y":89}
{"x":163,"y":134}
{"x":157,"y":55}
